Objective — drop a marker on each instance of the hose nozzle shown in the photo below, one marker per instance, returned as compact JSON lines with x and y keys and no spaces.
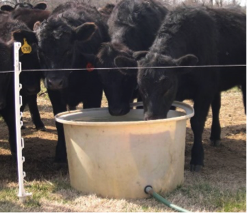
{"x":148,"y":189}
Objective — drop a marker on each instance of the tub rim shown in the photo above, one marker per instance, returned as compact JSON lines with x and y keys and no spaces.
{"x":189,"y":112}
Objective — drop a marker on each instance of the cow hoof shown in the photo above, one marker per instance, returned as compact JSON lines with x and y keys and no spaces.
{"x":195,"y":168}
{"x":215,"y":143}
{"x":41,"y":128}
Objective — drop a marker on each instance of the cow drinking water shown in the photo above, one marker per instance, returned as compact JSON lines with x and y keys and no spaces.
{"x":133,"y":25}
{"x":192,"y":36}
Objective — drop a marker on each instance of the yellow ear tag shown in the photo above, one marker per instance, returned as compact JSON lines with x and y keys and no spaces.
{"x":26,"y":48}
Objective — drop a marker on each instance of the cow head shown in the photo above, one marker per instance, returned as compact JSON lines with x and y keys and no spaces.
{"x":58,"y":42}
{"x":118,"y":86}
{"x":29,"y":60}
{"x":158,"y":86}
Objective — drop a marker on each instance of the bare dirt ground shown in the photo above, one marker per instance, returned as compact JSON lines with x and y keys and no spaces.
{"x":225,"y":165}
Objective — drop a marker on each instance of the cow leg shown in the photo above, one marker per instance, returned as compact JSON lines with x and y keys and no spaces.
{"x":201,"y":106}
{"x":24,"y":103}
{"x":139,"y":99}
{"x":34,"y":111}
{"x":59,"y":106}
{"x":9,"y":117}
{"x":243,"y":88}
{"x":215,"y":128}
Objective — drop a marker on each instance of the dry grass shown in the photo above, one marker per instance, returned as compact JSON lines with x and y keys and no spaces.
{"x":221,"y":186}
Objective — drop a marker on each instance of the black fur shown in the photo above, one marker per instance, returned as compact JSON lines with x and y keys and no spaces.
{"x":213,"y":36}
{"x":72,"y":32}
{"x":133,"y":25}
{"x":10,"y":31}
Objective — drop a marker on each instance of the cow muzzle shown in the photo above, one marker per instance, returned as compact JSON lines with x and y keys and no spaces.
{"x":55,"y":84}
{"x":119,"y":110}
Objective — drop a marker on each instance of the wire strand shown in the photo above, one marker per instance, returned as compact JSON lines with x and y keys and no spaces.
{"x":128,"y":68}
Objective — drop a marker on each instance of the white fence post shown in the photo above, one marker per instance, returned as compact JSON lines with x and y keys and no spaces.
{"x":18,"y":123}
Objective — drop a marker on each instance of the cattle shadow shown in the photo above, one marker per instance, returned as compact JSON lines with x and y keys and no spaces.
{"x":225,"y":132}
{"x":39,"y":162}
{"x":43,"y":107}
{"x":231,"y":151}
{"x":47,"y":122}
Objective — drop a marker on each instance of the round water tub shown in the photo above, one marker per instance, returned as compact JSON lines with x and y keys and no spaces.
{"x":117,"y":156}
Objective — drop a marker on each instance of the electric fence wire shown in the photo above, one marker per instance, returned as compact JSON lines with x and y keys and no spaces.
{"x":126,"y":68}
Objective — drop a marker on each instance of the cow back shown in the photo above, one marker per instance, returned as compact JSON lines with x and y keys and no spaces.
{"x":231,"y":24}
{"x":135,"y":22}
{"x":30,"y":16}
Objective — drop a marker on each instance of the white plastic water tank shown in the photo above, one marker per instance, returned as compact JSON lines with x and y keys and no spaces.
{"x":117,"y":156}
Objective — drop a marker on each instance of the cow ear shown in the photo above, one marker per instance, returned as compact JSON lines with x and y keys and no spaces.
{"x":19,"y":36}
{"x":36,"y":25}
{"x":187,"y":60}
{"x":41,"y":6}
{"x":139,"y":55}
{"x":7,"y":8}
{"x":85,"y":31}
{"x":131,"y":65}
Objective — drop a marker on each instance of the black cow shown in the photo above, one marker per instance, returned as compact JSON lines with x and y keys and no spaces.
{"x":29,"y":14}
{"x":232,"y":20}
{"x":190,"y":36}
{"x":7,"y":104}
{"x":10,"y":31}
{"x":132,"y":26}
{"x":72,"y":33}
{"x":6,"y":64}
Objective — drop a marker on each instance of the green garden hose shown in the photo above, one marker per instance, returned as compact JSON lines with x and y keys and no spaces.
{"x":149,"y":190}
